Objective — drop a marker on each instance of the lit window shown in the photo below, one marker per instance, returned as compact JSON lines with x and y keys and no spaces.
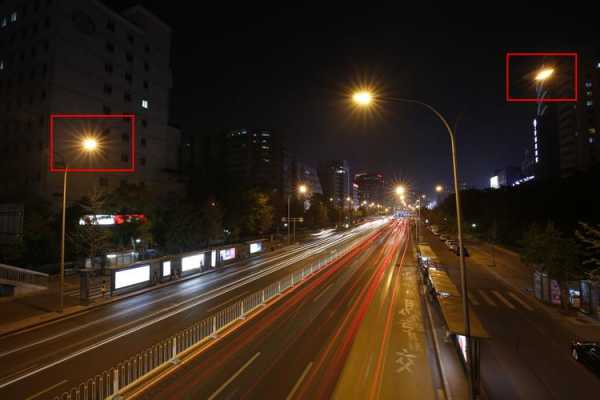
{"x":534,"y":122}
{"x":536,"y":153}
{"x":589,"y":103}
{"x":1,"y":65}
{"x":535,"y":146}
{"x":590,"y":130}
{"x":145,"y":104}
{"x":591,"y":140}
{"x":588,"y":84}
{"x":598,"y":65}
{"x":537,"y":159}
{"x":535,"y":139}
{"x":13,"y":17}
{"x":589,"y":93}
{"x":4,"y":22}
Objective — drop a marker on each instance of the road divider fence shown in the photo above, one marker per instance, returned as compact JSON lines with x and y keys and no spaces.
{"x":112,"y":382}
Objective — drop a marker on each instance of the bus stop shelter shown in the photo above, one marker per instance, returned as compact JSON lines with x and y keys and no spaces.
{"x":450,"y":302}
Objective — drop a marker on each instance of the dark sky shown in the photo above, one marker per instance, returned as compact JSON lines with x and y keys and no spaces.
{"x":292,"y":69}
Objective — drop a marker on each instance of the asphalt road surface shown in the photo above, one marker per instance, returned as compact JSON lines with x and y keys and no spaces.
{"x":528,"y":355}
{"x":298,"y":347}
{"x":46,"y":361}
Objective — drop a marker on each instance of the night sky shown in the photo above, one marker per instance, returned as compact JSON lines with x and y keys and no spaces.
{"x":292,"y":69}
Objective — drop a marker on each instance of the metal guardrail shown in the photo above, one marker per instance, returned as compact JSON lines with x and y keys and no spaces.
{"x":16,"y":274}
{"x":109,"y":382}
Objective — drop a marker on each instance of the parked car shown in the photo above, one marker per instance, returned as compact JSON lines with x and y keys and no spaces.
{"x":587,"y":353}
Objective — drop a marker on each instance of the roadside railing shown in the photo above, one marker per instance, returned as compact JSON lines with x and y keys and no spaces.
{"x":109,"y":382}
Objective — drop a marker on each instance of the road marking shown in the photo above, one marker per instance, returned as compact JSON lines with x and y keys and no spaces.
{"x":473,"y":300}
{"x":521,"y":302}
{"x":487,"y":298}
{"x":47,"y":389}
{"x":228,"y":381}
{"x":299,"y":381}
{"x":323,"y":291}
{"x":503,"y":299}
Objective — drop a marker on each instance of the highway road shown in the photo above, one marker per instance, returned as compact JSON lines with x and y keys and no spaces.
{"x":528,"y":355}
{"x":48,"y":360}
{"x":298,"y":347}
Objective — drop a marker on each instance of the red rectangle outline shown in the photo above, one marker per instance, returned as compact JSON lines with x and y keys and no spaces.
{"x":131,"y":118}
{"x":551,"y":100}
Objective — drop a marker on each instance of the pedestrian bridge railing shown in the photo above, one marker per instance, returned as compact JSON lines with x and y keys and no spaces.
{"x":22,"y":275}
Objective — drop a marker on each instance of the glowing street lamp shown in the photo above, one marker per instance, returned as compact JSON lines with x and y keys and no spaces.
{"x":302,"y":189}
{"x":544,"y":74}
{"x":89,"y":144}
{"x":439,"y":188}
{"x":362,"y":98}
{"x":400,"y":190}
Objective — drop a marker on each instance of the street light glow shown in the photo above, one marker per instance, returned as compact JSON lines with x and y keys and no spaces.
{"x":362,"y":98}
{"x":302,"y":189}
{"x":400,"y":190}
{"x":544,"y":74}
{"x":89,"y":144}
{"x":439,"y":188}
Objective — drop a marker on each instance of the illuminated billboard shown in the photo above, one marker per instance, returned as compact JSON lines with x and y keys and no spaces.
{"x":132,"y":276}
{"x":255,"y":247}
{"x":227,"y":254}
{"x":166,"y":268}
{"x":192,"y":262}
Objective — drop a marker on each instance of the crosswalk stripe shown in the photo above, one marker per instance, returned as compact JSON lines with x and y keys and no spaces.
{"x":521,"y":302}
{"x":473,"y":300}
{"x":503,"y":299}
{"x":487,"y":298}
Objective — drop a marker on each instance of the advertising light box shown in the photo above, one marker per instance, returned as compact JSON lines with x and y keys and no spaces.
{"x":132,"y":276}
{"x":227,"y":254}
{"x":166,"y":270}
{"x":255,"y":247}
{"x":192,"y":262}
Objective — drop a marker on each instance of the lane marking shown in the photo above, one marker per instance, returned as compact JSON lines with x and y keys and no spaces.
{"x":47,"y":389}
{"x":299,"y":381}
{"x":219,"y":290}
{"x":487,"y":298}
{"x":322,"y":292}
{"x":228,"y":381}
{"x":472,"y":299}
{"x":503,"y":299}
{"x":234,"y":285}
{"x":521,"y":302}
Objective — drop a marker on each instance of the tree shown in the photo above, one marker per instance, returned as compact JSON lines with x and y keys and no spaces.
{"x":554,"y":254}
{"x":257,"y":214}
{"x":91,"y":239}
{"x":317,"y":215}
{"x":589,"y":236}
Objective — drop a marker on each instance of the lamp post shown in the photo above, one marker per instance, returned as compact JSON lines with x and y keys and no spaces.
{"x":88,"y":145}
{"x":302,"y":189}
{"x":365,"y":99}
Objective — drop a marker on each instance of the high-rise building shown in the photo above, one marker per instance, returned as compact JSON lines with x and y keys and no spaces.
{"x":371,"y":187}
{"x":81,"y":57}
{"x":254,"y":158}
{"x":303,"y":173}
{"x":335,"y":181}
{"x":565,"y":134}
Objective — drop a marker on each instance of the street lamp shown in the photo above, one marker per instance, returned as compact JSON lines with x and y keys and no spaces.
{"x":302,"y":189}
{"x":544,"y":74}
{"x":88,"y":145}
{"x":439,"y":188}
{"x":359,"y":98}
{"x":400,"y":190}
